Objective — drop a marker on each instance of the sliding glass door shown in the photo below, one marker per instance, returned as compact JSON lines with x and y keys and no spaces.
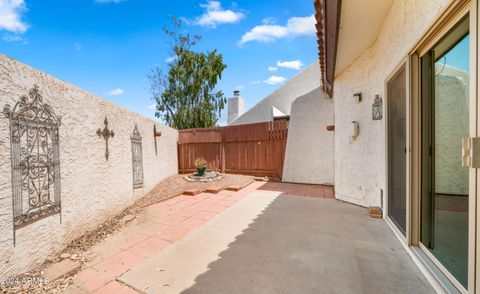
{"x":397,"y":148}
{"x":445,"y":121}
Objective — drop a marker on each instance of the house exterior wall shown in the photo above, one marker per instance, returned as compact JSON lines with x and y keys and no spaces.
{"x":360,"y":165}
{"x":92,"y":189}
{"x":303,"y":83}
{"x":309,"y":155}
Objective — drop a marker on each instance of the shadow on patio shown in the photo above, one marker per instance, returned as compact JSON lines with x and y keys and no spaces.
{"x":293,"y":245}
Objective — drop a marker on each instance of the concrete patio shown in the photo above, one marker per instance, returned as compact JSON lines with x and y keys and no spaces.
{"x":267,"y":238}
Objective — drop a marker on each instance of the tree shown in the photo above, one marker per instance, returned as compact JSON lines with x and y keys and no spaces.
{"x":186,"y":96}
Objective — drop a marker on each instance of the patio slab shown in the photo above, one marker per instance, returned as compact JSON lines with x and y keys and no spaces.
{"x":270,"y":242}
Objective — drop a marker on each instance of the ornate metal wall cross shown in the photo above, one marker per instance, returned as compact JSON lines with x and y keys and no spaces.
{"x":106,"y":134}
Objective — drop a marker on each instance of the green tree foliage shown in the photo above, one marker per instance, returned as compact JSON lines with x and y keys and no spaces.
{"x":186,"y":96}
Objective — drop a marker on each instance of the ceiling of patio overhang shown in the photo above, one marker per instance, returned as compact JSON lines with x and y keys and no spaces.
{"x":360,"y":24}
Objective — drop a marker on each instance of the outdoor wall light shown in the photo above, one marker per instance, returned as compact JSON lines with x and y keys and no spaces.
{"x":330,"y":128}
{"x":354,"y":131}
{"x":357,"y":97}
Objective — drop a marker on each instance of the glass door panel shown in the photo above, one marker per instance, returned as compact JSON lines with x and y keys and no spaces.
{"x":445,"y":121}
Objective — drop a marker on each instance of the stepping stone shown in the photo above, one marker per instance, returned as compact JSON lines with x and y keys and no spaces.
{"x":213,"y":190}
{"x":61,"y":269}
{"x":191,"y":192}
{"x":234,"y":188}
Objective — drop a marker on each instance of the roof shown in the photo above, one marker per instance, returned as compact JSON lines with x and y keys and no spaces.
{"x":327,"y":14}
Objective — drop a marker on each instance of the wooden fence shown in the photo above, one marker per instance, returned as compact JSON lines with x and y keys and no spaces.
{"x":254,"y":149}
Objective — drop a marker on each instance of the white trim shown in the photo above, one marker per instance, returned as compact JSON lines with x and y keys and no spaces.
{"x":436,"y":285}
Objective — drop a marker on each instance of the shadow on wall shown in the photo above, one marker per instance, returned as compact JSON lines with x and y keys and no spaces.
{"x":308,"y":245}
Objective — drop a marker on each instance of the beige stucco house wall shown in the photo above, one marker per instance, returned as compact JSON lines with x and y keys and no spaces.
{"x":360,"y":165}
{"x":309,"y":155}
{"x":92,"y":188}
{"x":302,"y":83}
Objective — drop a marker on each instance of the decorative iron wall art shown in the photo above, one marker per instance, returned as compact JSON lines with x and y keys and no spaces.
{"x":35,"y":156}
{"x":155,"y":135}
{"x":377,"y":108}
{"x":137,"y":159}
{"x":106,"y":133}
{"x":155,"y":138}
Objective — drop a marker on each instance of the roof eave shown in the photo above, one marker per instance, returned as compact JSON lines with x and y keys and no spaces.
{"x":327,"y":15}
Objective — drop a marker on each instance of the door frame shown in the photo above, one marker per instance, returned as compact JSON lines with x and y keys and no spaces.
{"x":452,"y":15}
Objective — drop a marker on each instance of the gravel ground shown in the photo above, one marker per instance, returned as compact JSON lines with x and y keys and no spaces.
{"x":79,"y":248}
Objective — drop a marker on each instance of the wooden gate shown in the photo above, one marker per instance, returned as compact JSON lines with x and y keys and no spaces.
{"x":254,"y":149}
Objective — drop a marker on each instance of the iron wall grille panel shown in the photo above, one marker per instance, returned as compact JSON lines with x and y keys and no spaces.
{"x":137,"y":159}
{"x":35,"y":156}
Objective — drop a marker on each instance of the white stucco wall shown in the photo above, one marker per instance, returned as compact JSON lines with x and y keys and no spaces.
{"x":360,"y":165}
{"x":301,"y":84}
{"x":309,"y":156}
{"x":92,"y":189}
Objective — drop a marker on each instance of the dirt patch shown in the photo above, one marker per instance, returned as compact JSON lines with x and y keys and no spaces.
{"x":175,"y":185}
{"x":79,"y":248}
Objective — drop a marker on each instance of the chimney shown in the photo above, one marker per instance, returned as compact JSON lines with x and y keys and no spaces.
{"x":235,"y":106}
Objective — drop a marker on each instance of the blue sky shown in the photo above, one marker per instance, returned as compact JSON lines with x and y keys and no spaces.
{"x":109,"y":46}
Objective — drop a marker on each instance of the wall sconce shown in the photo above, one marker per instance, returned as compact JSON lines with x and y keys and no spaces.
{"x":357,"y":97}
{"x":330,"y":128}
{"x":355,"y":131}
{"x":377,"y":108}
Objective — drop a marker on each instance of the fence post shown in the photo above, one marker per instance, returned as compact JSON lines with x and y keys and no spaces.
{"x":223,"y":151}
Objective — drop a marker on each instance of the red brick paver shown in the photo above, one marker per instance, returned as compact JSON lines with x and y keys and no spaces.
{"x":91,"y":280}
{"x":115,"y":287}
{"x":60,"y":269}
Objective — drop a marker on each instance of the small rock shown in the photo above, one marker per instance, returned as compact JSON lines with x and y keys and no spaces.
{"x":65,"y":255}
{"x":74,"y":256}
{"x":128,"y":217}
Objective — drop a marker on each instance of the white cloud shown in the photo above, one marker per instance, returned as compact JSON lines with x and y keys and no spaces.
{"x":14,"y":38}
{"x":152,"y":106}
{"x":11,"y":16}
{"x":294,"y":64}
{"x":214,"y":15}
{"x":273,"y":80}
{"x":109,"y":1}
{"x":116,"y":92}
{"x":239,"y":88}
{"x":78,"y":48}
{"x":270,"y":32}
{"x":255,"y":82}
{"x":170,"y":59}
{"x":272,"y":68}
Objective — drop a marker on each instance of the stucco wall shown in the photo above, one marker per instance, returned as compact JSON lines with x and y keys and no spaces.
{"x":304,"y":82}
{"x":92,"y":189}
{"x":360,"y":165}
{"x":309,"y":156}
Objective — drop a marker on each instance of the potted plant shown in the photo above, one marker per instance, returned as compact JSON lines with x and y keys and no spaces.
{"x":201,"y":165}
